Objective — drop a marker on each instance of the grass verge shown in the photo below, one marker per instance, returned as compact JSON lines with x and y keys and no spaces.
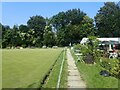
{"x":52,"y":80}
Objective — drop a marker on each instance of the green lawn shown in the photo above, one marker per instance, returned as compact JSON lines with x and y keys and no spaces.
{"x":90,"y":74}
{"x":27,"y":67}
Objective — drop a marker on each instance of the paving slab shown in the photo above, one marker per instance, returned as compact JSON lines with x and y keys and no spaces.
{"x":73,"y":73}
{"x":77,"y":84}
{"x":74,"y":79}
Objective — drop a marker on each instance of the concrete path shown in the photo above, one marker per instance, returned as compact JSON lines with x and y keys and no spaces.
{"x":74,"y":79}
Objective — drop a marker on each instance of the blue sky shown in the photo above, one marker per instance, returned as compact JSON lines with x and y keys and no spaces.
{"x":19,"y":12}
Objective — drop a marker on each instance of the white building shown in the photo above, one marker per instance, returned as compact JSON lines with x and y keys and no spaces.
{"x":84,"y":40}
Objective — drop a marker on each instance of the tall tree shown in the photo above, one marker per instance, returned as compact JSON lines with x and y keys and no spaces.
{"x":0,"y":35}
{"x":0,"y":31}
{"x":37,"y":24}
{"x":108,"y":20}
{"x":74,"y":16}
{"x":72,"y":26}
{"x":49,"y":36}
{"x":23,"y":28}
{"x":6,"y":39}
{"x":87,"y":27}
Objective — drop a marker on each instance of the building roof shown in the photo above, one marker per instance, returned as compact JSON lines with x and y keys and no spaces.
{"x":84,"y":40}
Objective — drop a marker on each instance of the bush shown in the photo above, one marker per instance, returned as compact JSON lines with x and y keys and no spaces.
{"x":24,"y":45}
{"x":113,"y":67}
{"x":89,"y":51}
{"x":89,"y":59}
{"x":106,"y":64}
{"x":115,"y":70}
{"x":39,"y":45}
{"x":77,"y":47}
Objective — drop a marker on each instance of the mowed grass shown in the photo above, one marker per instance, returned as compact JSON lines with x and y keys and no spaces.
{"x":27,"y":67}
{"x":53,"y":77}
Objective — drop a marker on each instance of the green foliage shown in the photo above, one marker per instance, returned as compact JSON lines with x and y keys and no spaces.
{"x":64,"y":28}
{"x":37,"y":24}
{"x":111,"y":65}
{"x":20,"y":36}
{"x":90,"y":48}
{"x":87,"y":27}
{"x":92,"y":44}
{"x":6,"y":39}
{"x":77,"y":47}
{"x":115,"y":70}
{"x":0,"y":35}
{"x":23,"y":28}
{"x":49,"y":37}
{"x":0,"y":30}
{"x":106,"y":64}
{"x":90,"y":74}
{"x":72,"y":26}
{"x":108,"y":20}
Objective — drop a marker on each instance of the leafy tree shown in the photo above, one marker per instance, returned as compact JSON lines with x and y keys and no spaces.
{"x":23,"y":36}
{"x":6,"y":36}
{"x":31,"y":40}
{"x":15,"y":27}
{"x":14,"y":36}
{"x":74,"y":16}
{"x":61,"y":37}
{"x":6,"y":40}
{"x":23,"y":28}
{"x":37,"y":24}
{"x":67,"y":25}
{"x":89,"y":50}
{"x":0,"y":35}
{"x":75,"y":32}
{"x":59,"y":20}
{"x":108,"y":20}
{"x":0,"y":31}
{"x":87,"y":27}
{"x":4,"y":29}
{"x":49,"y":37}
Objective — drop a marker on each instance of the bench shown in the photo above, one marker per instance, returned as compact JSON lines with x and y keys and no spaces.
{"x":79,"y":57}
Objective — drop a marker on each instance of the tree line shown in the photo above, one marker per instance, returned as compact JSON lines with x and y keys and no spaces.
{"x":63,"y":28}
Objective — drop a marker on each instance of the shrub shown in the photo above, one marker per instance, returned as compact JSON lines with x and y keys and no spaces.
{"x":113,"y":67}
{"x":24,"y":45}
{"x":77,"y":47}
{"x":89,"y":51}
{"x":106,"y":64}
{"x":115,"y":70}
